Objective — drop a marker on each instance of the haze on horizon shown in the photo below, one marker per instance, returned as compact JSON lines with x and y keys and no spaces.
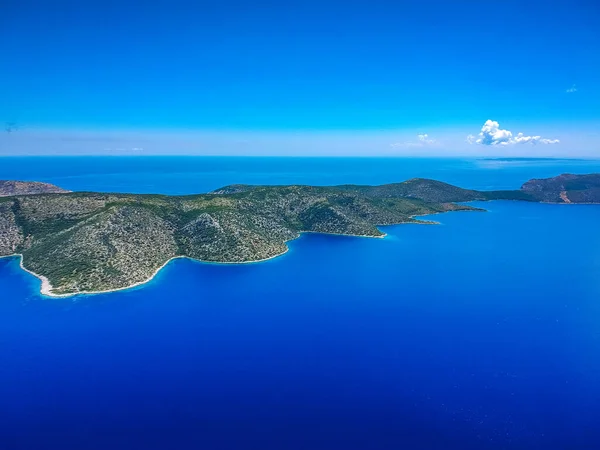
{"x":330,"y":78}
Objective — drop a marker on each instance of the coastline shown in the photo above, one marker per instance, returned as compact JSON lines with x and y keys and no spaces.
{"x":46,"y":287}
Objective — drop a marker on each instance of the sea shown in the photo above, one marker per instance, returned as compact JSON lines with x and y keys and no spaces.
{"x":482,"y":332}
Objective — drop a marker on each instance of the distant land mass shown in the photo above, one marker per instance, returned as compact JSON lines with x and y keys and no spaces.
{"x":86,"y":242}
{"x":530,"y":158}
{"x":9,"y":188}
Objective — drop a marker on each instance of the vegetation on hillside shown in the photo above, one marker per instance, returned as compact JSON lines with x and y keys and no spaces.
{"x":93,"y":242}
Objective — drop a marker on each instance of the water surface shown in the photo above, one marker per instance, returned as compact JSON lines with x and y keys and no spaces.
{"x":192,"y":175}
{"x":480,"y":333}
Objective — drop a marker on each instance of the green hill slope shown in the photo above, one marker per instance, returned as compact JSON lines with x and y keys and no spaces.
{"x":84,"y":242}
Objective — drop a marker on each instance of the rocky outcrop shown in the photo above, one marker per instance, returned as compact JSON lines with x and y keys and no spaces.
{"x":9,"y":188}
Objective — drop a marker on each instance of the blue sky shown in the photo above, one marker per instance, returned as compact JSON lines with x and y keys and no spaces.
{"x":381,"y":73}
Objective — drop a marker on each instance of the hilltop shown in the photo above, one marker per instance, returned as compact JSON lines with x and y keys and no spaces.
{"x":9,"y":187}
{"x":566,"y":188}
{"x":88,"y":242}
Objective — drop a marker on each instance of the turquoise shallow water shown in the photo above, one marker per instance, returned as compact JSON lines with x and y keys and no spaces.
{"x":480,"y":333}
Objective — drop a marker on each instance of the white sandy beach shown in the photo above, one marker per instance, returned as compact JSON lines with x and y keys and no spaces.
{"x":46,"y":287}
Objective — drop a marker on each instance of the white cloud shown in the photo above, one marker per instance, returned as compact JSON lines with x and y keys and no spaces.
{"x":571,"y":89}
{"x":422,"y":141}
{"x":520,"y":139}
{"x":492,"y":134}
{"x":425,"y":139}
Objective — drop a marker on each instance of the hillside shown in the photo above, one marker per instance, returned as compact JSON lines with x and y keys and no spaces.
{"x":94,"y":242}
{"x":8,"y":188}
{"x":566,"y":188}
{"x":421,"y":189}
{"x":84,"y":242}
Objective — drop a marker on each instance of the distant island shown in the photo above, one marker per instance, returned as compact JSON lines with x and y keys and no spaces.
{"x":9,"y":188}
{"x":85,"y":242}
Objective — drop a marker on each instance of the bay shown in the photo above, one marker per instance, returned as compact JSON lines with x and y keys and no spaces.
{"x":480,"y":333}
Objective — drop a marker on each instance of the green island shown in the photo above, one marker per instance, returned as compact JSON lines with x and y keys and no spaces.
{"x":86,"y":242}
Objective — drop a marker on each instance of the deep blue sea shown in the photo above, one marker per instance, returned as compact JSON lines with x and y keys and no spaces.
{"x":480,"y":333}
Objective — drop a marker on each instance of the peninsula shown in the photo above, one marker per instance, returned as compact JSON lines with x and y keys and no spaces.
{"x":9,"y":188}
{"x":82,"y":242}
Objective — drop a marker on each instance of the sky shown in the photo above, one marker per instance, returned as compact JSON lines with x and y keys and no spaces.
{"x":427,"y":77}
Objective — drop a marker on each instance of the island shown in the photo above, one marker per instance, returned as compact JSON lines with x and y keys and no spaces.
{"x":88,"y":242}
